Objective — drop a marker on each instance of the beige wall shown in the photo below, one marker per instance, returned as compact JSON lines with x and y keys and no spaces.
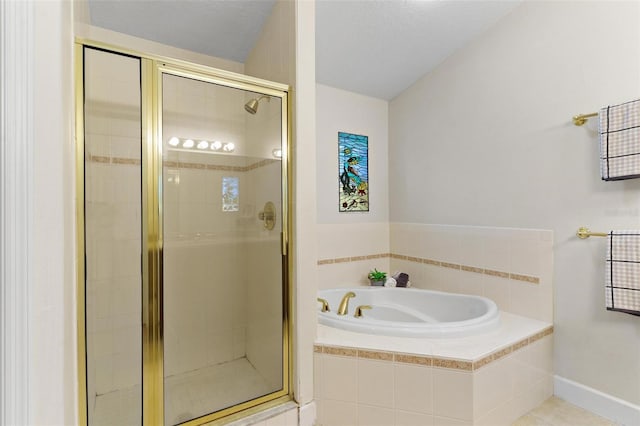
{"x":486,"y":139}
{"x":304,"y":223}
{"x":353,"y":234}
{"x":124,"y":41}
{"x":273,"y":57}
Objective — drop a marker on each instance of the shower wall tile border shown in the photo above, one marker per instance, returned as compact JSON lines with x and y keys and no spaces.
{"x":424,"y":360}
{"x":103,"y":159}
{"x":467,"y":268}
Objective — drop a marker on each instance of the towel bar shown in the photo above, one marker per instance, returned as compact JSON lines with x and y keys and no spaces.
{"x":583,"y":233}
{"x":580,"y":119}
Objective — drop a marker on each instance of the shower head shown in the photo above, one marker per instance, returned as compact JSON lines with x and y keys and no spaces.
{"x":252,"y":106}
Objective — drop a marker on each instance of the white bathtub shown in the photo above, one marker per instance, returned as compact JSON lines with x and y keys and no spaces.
{"x":410,"y":312}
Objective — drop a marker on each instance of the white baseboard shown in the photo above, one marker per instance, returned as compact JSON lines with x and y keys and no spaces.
{"x":600,"y":403}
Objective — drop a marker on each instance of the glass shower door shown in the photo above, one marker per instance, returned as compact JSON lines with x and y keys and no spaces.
{"x":223,"y":291}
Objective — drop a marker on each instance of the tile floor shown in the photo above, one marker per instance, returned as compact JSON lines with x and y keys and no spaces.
{"x":553,"y":412}
{"x":557,"y":412}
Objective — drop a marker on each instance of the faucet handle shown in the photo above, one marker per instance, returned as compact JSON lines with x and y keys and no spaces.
{"x":359,"y":309}
{"x":325,"y":305}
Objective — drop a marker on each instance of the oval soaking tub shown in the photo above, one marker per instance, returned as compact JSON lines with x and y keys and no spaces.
{"x":410,"y":312}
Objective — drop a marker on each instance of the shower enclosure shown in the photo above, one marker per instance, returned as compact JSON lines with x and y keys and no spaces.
{"x":183,"y":236}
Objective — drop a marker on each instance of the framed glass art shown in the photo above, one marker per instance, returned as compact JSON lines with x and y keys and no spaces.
{"x":353,"y":172}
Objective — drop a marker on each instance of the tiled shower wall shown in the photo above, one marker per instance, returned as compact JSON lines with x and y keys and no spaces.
{"x":113,"y":277}
{"x":216,"y":308}
{"x":112,"y":223}
{"x":263,"y":263}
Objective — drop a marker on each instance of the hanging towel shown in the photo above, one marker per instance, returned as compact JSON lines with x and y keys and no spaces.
{"x":622,"y":282}
{"x":620,"y":141}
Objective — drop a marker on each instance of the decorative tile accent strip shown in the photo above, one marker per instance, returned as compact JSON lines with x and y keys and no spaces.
{"x":453,"y":364}
{"x":450,"y":265}
{"x":130,"y":161}
{"x":227,"y":168}
{"x":332,"y":350}
{"x":496,"y":273}
{"x":414,"y":359}
{"x":520,"y":344}
{"x":183,"y":165}
{"x":502,"y":353}
{"x":525,"y":278}
{"x":466,"y":268}
{"x":482,"y":362}
{"x":353,"y":258}
{"x":472,"y":269}
{"x":540,"y":335}
{"x":381,"y":356}
{"x":199,"y":166}
{"x":379,"y":256}
{"x":99,"y":159}
{"x":261,"y":163}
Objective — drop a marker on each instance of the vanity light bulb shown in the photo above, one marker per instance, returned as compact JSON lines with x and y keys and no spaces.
{"x":277,"y":152}
{"x":203,"y":145}
{"x":229,"y":147}
{"x":174,"y":141}
{"x":187,"y":144}
{"x":216,"y":145}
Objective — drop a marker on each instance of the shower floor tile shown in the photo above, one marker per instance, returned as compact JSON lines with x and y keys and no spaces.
{"x":188,"y":395}
{"x":121,"y":407}
{"x":204,"y":391}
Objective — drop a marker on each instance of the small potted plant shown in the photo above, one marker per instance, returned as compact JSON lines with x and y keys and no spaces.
{"x":377,"y":278}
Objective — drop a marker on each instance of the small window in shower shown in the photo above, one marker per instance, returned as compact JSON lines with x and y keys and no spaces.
{"x":230,"y":194}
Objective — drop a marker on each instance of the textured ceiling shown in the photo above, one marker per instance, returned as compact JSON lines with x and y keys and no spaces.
{"x":224,"y":28}
{"x":373,"y":47}
{"x":379,"y":48}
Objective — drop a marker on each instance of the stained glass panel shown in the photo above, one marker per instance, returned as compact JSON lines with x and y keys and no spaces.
{"x":353,"y":172}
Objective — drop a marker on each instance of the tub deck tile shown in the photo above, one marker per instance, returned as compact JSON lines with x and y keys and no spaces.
{"x":516,"y":332}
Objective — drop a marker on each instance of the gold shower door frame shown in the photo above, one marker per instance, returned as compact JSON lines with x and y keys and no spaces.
{"x":152,"y":70}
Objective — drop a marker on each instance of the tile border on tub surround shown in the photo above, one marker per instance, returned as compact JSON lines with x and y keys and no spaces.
{"x":467,"y":268}
{"x":429,"y":361}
